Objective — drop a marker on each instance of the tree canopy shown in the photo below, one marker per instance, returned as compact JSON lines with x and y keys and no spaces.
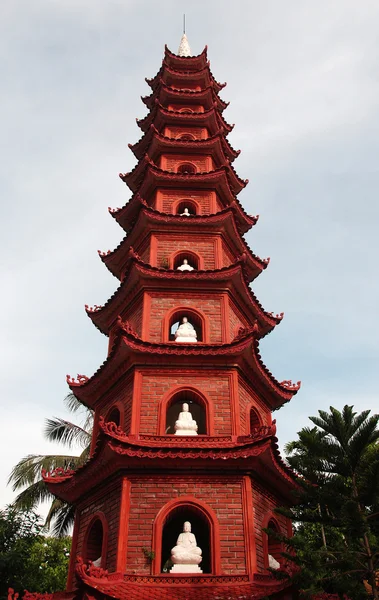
{"x":337,"y":511}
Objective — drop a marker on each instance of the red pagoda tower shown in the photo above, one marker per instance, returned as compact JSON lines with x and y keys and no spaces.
{"x":183,"y":434}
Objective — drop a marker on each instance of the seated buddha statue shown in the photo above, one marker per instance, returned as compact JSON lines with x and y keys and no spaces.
{"x":185,"y":333}
{"x":185,"y":213}
{"x":185,"y":266}
{"x":185,"y":425}
{"x":186,"y":555}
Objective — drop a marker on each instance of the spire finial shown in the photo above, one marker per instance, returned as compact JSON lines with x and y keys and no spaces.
{"x":184,"y":23}
{"x":184,"y":47}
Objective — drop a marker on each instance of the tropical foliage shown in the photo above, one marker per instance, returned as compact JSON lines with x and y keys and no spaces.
{"x":26,"y":475}
{"x":337,"y":512}
{"x":28,"y":560}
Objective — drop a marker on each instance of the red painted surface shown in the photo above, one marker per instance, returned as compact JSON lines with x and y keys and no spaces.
{"x":184,"y":159}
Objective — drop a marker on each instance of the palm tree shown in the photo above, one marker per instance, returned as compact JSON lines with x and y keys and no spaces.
{"x":339,"y":460}
{"x":27,"y":473}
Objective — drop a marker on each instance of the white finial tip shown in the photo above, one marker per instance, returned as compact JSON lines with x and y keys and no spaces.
{"x":184,"y":47}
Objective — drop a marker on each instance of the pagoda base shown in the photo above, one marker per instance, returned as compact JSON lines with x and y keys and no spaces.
{"x":184,"y":568}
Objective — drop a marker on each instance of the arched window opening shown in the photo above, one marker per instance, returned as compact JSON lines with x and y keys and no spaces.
{"x":196,"y":408}
{"x":114,"y":416}
{"x":186,"y":168}
{"x":192,"y":318}
{"x":186,"y":258}
{"x":173,"y":527}
{"x":94,"y":546}
{"x":274,"y":547}
{"x":187,"y":111}
{"x":186,"y":136}
{"x":255,"y":420}
{"x":186,"y":208}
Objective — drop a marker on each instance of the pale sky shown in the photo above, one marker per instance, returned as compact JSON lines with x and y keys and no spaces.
{"x":303,"y":86}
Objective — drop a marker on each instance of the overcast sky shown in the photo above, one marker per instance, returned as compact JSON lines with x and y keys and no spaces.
{"x":303,"y":86}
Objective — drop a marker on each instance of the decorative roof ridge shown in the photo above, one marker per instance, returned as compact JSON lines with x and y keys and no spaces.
{"x":275,"y":451}
{"x":144,"y":122}
{"x":264,"y":262}
{"x":134,"y":259}
{"x":147,"y":163}
{"x":286,"y":386}
{"x":122,"y":331}
{"x":152,"y":132}
{"x":162,"y":85}
{"x":166,"y":67}
{"x":258,"y":434}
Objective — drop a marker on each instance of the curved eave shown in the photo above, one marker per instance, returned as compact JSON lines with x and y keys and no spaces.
{"x":115,"y":452}
{"x":187,"y":63}
{"x":148,"y":177}
{"x":148,"y":218}
{"x":154,"y":142}
{"x":128,"y":350}
{"x":140,"y":274}
{"x":127,"y":215}
{"x":166,"y":94}
{"x":135,"y":178}
{"x":203,"y":77}
{"x":162,"y":117}
{"x":99,"y":586}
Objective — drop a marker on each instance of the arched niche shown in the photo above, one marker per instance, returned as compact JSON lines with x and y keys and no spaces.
{"x":254,"y":419}
{"x":177,"y":259}
{"x":191,"y":205}
{"x":95,"y":540}
{"x":271,"y":546}
{"x":185,"y":136}
{"x":186,"y":167}
{"x":169,"y":524}
{"x":114,"y":416}
{"x":187,"y":111}
{"x":174,"y":318}
{"x":199,"y":406}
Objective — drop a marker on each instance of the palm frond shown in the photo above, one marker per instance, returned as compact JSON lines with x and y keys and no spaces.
{"x":35,"y":493}
{"x":65,"y":432}
{"x":63,"y":520}
{"x":72,"y":403}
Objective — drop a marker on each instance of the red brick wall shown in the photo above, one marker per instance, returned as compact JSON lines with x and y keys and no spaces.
{"x":222,"y":494}
{"x":199,"y":133}
{"x":246,"y":398}
{"x":162,"y":304}
{"x":202,"y":198}
{"x":134,"y":314}
{"x":214,"y":385}
{"x":170,"y":163}
{"x":235,"y":321}
{"x":227,"y":255}
{"x":120,"y":395}
{"x":263,"y":503}
{"x":108,"y":503}
{"x":204,"y":247}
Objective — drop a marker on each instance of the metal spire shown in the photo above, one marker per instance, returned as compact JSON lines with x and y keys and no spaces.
{"x":184,"y":47}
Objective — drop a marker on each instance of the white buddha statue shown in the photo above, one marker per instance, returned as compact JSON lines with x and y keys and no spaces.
{"x":186,"y":555}
{"x":273,"y":563}
{"x":185,"y":333}
{"x":185,"y":213}
{"x":185,"y":425}
{"x":185,"y":266}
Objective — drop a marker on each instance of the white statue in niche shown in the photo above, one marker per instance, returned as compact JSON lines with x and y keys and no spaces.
{"x":185,"y":425}
{"x":186,"y":555}
{"x":185,"y":213}
{"x":273,"y":563}
{"x":186,"y":332}
{"x":185,"y":266}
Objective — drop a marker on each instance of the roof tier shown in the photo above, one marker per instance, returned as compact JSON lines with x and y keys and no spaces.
{"x":149,"y":219}
{"x":162,"y":117}
{"x":155,"y":143}
{"x":186,"y":63}
{"x":129,"y":351}
{"x":166,"y":95}
{"x":201,"y":78}
{"x":127,"y":215}
{"x":140,"y":276}
{"x":257,"y":453}
{"x":135,"y":178}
